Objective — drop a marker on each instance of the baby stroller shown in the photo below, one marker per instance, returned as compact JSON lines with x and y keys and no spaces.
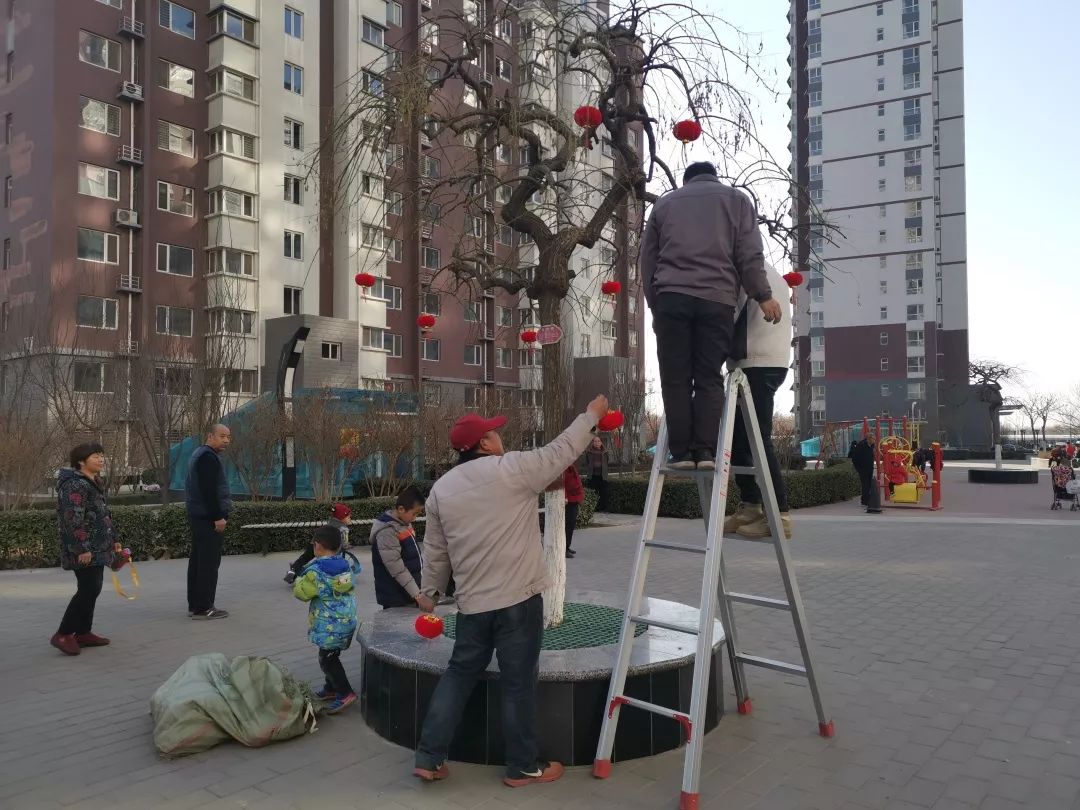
{"x":1066,"y":487}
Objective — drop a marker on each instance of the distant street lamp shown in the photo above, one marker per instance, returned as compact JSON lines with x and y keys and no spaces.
{"x":291,"y":354}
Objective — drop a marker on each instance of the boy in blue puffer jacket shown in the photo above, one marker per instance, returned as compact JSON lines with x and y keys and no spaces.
{"x":328,"y":584}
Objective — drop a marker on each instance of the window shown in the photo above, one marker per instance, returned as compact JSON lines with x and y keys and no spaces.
{"x":231,"y":24}
{"x":175,"y":199}
{"x":881,"y":35}
{"x":883,"y":262}
{"x":293,"y":299}
{"x":914,"y":235}
{"x":175,"y":138}
{"x":6,"y":262}
{"x":817,"y":319}
{"x":916,"y":364}
{"x":916,"y":339}
{"x":91,"y":378}
{"x":883,"y":287}
{"x":113,"y":3}
{"x":911,"y":29}
{"x":430,"y":167}
{"x":817,"y":294}
{"x":881,"y":185}
{"x":916,"y":390}
{"x":99,"y":51}
{"x":609,"y":329}
{"x":176,"y":78}
{"x":817,"y":392}
{"x":394,"y":200}
{"x":432,"y":303}
{"x":884,"y":363}
{"x":9,"y":126}
{"x":883,"y":339}
{"x":472,"y":312}
{"x":232,"y":83}
{"x":881,"y":135}
{"x":392,"y":296}
{"x":9,"y":188}
{"x":881,"y":85}
{"x":814,"y":49}
{"x":881,"y":110}
{"x":883,"y":211}
{"x":915,"y":312}
{"x":815,"y":98}
{"x":530,"y":358}
{"x":294,"y":134}
{"x":817,"y":417}
{"x":294,"y":78}
{"x":506,"y":30}
{"x":504,"y":358}
{"x":883,"y":236}
{"x":886,"y":391}
{"x":232,"y":321}
{"x":9,"y":67}
{"x":97,"y":313}
{"x":176,"y":18}
{"x":96,"y":181}
{"x":294,"y":23}
{"x":175,"y":260}
{"x":174,"y":321}
{"x":394,"y":249}
{"x":236,"y":262}
{"x":881,"y":60}
{"x":372,"y":83}
{"x":817,"y":368}
{"x":331,"y":351}
{"x":817,"y":343}
{"x":472,"y":355}
{"x":914,"y":286}
{"x":393,"y":13}
{"x":815,"y":146}
{"x":231,"y":203}
{"x":914,"y":261}
{"x":372,"y":338}
{"x":371,"y":235}
{"x":504,"y":70}
{"x":430,"y":350}
{"x":392,"y":344}
{"x":294,"y":245}
{"x":429,"y":36}
{"x":505,"y":235}
{"x":881,"y":161}
{"x":469,"y":98}
{"x":880,"y":9}
{"x":815,"y":172}
{"x":172,"y":380}
{"x":813,"y":27}
{"x":430,"y":258}
{"x":294,"y":189}
{"x":884,"y":313}
{"x":911,"y":56}
{"x":97,"y":246}
{"x":239,"y":381}
{"x":912,"y":132}
{"x":606,"y":182}
{"x":912,"y":81}
{"x":374,"y":34}
{"x":811,"y":5}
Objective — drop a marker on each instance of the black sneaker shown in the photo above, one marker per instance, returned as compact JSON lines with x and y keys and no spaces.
{"x":212,"y":613}
{"x":290,"y":577}
{"x":570,"y":554}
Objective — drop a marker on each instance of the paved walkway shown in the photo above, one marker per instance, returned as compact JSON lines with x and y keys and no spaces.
{"x":950,"y":659}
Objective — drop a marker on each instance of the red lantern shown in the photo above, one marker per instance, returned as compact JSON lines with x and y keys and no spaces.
{"x":611,"y":287}
{"x":589,"y":117}
{"x":426,"y":321}
{"x":364,"y":280}
{"x":529,"y":336}
{"x":429,"y":625}
{"x":794,"y":278}
{"x":687,"y":131}
{"x":612,"y":420}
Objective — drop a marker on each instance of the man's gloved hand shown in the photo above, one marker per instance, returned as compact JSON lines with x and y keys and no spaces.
{"x":771,"y":310}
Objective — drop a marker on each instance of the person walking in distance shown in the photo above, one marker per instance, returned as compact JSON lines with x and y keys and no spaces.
{"x":208,"y":507}
{"x":701,"y":246}
{"x":763,"y":351}
{"x":575,"y":496}
{"x":596,"y":467}
{"x":862,"y":459}
{"x":482,"y":525}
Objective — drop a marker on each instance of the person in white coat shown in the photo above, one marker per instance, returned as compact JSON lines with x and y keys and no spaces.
{"x":765,"y":351}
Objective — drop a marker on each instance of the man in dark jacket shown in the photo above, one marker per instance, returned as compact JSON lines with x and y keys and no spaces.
{"x":862,"y":459}
{"x":396,"y":560}
{"x":701,"y":247}
{"x":208,"y":507}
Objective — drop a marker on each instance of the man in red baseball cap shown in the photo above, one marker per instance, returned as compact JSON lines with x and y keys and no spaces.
{"x":482,"y":526}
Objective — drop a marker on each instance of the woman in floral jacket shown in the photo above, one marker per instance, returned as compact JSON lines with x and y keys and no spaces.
{"x":87,"y":543}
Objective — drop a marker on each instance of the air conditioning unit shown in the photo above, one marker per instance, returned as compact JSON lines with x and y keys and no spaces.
{"x":127,"y":218}
{"x":425,"y":48}
{"x":132,"y":91}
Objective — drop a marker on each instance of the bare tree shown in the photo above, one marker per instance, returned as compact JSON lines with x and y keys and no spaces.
{"x":784,"y":439}
{"x":328,"y":436}
{"x":256,"y":446}
{"x":30,"y":444}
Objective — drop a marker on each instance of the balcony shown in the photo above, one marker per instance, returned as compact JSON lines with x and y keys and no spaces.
{"x":128,"y":348}
{"x":489,"y":292}
{"x":130,"y":27}
{"x":129,"y":284}
{"x":132,"y":91}
{"x":127,"y":218}
{"x":488,"y":333}
{"x":485,"y":78}
{"x":425,"y":140}
{"x":130,"y":155}
{"x":425,"y":230}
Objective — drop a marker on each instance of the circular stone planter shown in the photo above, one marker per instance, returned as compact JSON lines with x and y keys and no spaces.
{"x":985,"y":476}
{"x":401,"y":671}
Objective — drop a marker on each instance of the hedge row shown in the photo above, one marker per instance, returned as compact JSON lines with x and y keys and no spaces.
{"x":680,"y":497}
{"x":28,"y":538}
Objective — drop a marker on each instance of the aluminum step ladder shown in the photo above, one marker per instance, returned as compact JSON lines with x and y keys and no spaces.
{"x":712,"y":490}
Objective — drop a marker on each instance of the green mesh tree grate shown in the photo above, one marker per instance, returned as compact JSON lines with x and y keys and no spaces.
{"x":583,"y":626}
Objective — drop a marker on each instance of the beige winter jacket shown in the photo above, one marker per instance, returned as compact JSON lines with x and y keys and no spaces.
{"x":482,"y":523}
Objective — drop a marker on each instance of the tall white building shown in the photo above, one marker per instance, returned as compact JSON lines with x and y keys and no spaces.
{"x":878,"y":146}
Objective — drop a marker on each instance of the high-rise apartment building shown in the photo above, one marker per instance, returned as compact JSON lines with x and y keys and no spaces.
{"x":168,"y":195}
{"x":878,"y":147}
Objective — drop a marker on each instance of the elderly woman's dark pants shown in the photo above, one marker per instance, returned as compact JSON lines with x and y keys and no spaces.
{"x":79,"y":616}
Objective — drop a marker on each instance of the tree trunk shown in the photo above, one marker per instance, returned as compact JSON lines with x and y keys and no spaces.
{"x":554,"y":410}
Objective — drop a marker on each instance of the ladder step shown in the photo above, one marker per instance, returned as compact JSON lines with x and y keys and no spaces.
{"x":760,"y":601}
{"x":665,"y":711}
{"x":671,"y":472}
{"x":675,"y":546}
{"x":770,"y":663}
{"x":743,"y":470}
{"x":678,"y":628}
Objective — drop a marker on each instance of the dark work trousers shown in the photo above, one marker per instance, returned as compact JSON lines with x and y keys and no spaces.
{"x":336,"y":679}
{"x":866,"y":478}
{"x":513,"y":634}
{"x":693,"y":341}
{"x":764,"y":383}
{"x":597,"y":483}
{"x":203,"y":564}
{"x":79,"y":616}
{"x":572,"y":510}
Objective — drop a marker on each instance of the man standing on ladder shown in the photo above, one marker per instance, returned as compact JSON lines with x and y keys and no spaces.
{"x":701,"y":245}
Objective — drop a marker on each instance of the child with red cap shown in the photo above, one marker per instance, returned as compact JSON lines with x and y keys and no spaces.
{"x":340,"y":518}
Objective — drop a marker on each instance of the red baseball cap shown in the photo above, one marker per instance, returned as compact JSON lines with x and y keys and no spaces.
{"x":467,"y":431}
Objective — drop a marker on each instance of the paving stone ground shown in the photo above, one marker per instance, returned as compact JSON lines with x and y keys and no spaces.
{"x":949,"y":654}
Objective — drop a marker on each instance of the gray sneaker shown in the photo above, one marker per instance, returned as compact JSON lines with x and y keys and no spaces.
{"x":212,"y":613}
{"x":707,"y":464}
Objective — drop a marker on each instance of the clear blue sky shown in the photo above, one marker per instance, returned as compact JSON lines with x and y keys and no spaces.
{"x":1023,"y":175}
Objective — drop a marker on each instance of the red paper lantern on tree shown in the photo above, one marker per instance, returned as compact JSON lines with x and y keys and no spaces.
{"x":687,"y":131}
{"x":429,"y":625}
{"x":611,"y":287}
{"x":364,"y":280}
{"x":612,"y":420}
{"x":588,"y":116}
{"x":529,"y":336}
{"x":794,"y":278}
{"x":426,"y":321}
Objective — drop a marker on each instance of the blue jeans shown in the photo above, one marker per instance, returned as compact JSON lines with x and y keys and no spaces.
{"x":513,"y":634}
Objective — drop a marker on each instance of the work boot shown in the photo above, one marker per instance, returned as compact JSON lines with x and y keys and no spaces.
{"x":746,"y":513}
{"x":759,"y":529}
{"x":66,"y":643}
